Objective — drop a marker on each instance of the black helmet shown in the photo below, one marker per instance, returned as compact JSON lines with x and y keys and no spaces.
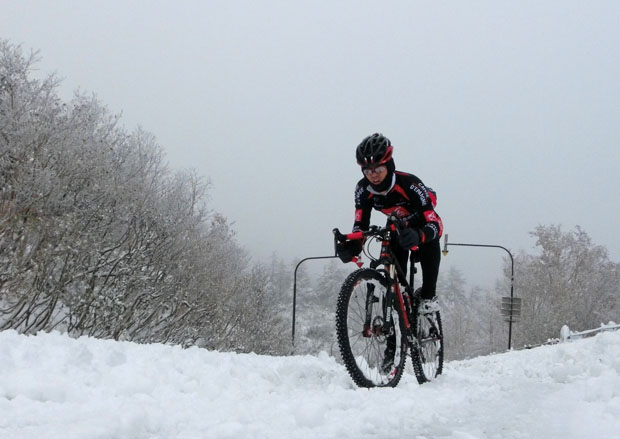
{"x":374,"y":150}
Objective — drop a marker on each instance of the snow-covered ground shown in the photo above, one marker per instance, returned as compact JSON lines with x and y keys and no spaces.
{"x":52,"y":386}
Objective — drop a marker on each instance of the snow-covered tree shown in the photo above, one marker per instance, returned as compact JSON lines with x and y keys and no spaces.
{"x":99,"y":237}
{"x":572,"y":281}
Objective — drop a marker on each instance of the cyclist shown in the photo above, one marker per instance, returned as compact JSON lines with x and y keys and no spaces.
{"x":405,"y":196}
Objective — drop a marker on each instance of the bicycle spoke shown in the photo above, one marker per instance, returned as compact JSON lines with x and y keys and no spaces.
{"x":428,"y":359}
{"x":361,"y":325}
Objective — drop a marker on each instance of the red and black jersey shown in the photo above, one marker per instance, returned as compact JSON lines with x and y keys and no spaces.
{"x":407,"y":198}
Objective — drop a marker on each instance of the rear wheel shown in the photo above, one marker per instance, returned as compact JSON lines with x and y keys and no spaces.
{"x":427,"y":358}
{"x":366,"y":342}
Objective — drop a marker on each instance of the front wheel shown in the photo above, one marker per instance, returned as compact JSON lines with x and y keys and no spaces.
{"x":371,"y":342}
{"x":427,"y":354}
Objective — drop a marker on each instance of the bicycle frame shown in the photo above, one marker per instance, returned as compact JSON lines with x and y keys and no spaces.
{"x":393,"y":271}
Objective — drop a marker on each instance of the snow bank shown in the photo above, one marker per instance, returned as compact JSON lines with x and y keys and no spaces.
{"x":52,"y":386}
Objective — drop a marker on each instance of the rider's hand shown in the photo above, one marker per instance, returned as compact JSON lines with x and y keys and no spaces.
{"x":347,"y":250}
{"x":409,"y":238}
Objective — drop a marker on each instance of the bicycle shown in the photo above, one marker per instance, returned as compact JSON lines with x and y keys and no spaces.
{"x":377,"y":317}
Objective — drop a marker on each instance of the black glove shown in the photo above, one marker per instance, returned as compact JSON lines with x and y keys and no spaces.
{"x":346,"y":250}
{"x":408,"y":238}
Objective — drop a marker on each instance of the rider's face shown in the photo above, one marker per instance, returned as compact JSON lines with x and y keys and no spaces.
{"x":376,"y":175}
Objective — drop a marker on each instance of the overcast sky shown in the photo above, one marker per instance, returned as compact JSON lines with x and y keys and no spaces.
{"x":509,"y":110}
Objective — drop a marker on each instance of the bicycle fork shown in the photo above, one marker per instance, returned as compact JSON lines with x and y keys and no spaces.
{"x":382,"y":323}
{"x":385,"y":326}
{"x":370,"y":300}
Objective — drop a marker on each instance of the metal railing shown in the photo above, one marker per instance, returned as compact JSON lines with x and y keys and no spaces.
{"x":566,"y":334}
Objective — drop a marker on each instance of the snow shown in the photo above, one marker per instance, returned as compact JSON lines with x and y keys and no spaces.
{"x":52,"y":386}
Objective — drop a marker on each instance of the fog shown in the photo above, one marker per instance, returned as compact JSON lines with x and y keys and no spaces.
{"x":510,"y":111}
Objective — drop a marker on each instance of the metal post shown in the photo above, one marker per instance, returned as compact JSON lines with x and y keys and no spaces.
{"x":512,"y":274}
{"x":295,"y":288}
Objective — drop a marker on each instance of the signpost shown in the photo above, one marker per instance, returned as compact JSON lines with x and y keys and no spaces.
{"x":511,"y":309}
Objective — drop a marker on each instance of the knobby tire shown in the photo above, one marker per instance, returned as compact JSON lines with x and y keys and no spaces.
{"x":427,"y":355}
{"x":363,"y":355}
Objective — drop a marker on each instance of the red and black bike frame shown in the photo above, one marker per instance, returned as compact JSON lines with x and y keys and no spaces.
{"x":392,"y":271}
